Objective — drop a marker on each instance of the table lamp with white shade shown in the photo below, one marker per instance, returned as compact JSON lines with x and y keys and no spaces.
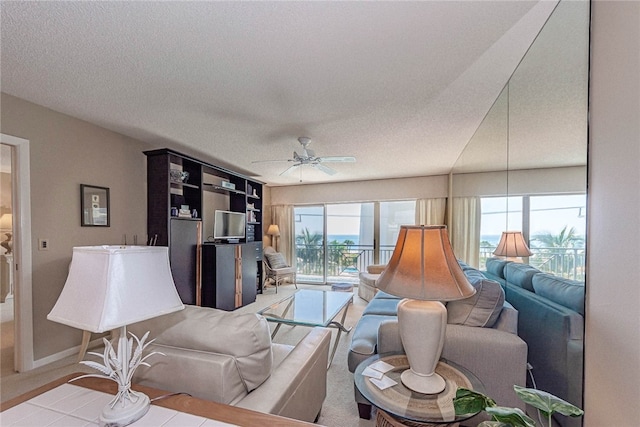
{"x":110,"y":287}
{"x":424,"y":270}
{"x":512,"y":246}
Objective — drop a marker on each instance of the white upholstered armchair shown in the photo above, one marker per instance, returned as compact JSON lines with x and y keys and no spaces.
{"x":277,"y":268}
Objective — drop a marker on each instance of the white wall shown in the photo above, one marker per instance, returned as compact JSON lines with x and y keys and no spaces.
{"x":530,"y":181}
{"x":612,"y":344}
{"x":362,"y":191}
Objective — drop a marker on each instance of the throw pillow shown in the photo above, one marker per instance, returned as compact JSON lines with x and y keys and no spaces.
{"x":520,"y":275}
{"x":276,"y":260}
{"x":480,"y":310}
{"x":496,"y":266}
{"x":568,"y":293}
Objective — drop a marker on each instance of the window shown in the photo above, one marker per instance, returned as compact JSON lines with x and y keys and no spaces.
{"x":335,"y":242}
{"x":554,"y":227}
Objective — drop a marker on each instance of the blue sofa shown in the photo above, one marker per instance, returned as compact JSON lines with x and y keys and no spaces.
{"x":551,"y":322}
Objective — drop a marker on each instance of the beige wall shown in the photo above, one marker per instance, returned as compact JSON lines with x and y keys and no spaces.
{"x":612,"y":343}
{"x":66,"y":152}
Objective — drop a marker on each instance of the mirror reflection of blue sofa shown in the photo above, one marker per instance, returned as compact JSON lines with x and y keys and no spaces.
{"x":551,"y":322}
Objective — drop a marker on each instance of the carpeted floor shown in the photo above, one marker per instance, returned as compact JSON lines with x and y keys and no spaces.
{"x":339,"y":409}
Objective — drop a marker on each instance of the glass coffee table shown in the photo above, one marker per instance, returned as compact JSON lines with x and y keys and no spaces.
{"x":407,"y":407}
{"x":308,"y":307}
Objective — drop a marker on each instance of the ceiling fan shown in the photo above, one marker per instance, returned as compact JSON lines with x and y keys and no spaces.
{"x":308,"y":157}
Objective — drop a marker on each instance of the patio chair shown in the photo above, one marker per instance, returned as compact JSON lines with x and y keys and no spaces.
{"x":276,"y":268}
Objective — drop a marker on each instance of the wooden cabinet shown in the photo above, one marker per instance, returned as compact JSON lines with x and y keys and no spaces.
{"x":183,"y":194}
{"x":229,"y":274}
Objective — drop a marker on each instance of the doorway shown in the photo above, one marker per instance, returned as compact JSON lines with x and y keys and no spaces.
{"x":19,"y":191}
{"x":7,"y":324}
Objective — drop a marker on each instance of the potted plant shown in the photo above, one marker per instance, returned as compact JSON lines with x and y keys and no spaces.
{"x":469,"y":401}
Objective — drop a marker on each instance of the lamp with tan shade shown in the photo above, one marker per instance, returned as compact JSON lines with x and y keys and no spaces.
{"x":512,"y":246}
{"x":424,"y":270}
{"x":274,"y":232}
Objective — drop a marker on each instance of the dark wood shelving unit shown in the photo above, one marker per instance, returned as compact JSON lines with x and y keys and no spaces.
{"x":201,"y":280}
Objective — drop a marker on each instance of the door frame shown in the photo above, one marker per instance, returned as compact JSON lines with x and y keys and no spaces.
{"x":21,"y":206}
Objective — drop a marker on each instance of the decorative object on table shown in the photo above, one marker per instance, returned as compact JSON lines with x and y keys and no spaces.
{"x":228,"y":185}
{"x":512,"y":246}
{"x":470,"y":401}
{"x":274,"y":232}
{"x":184,"y":212}
{"x":6,"y":224}
{"x":178,"y":176}
{"x":424,"y":270}
{"x":110,"y":287}
{"x":94,"y":207}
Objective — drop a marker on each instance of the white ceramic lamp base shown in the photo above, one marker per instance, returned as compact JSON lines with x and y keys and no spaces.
{"x":422,"y":328}
{"x":119,"y":416}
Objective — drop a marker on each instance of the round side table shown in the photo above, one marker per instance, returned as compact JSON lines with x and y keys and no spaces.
{"x":400,"y":406}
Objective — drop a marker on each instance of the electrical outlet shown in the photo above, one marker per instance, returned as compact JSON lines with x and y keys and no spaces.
{"x":43,"y":244}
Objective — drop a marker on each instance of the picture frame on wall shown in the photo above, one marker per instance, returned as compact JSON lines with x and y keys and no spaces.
{"x":94,"y":206}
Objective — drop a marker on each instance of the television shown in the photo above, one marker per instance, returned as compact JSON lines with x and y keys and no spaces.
{"x":228,"y":225}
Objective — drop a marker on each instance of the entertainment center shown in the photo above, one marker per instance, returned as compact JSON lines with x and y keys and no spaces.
{"x":211,"y":220}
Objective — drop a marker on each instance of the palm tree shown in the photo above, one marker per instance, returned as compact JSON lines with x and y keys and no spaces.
{"x":560,"y":249}
{"x":566,"y":239}
{"x":309,"y":249}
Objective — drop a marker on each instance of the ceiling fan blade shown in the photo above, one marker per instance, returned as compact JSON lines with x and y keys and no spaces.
{"x":271,"y":161}
{"x":324,"y":168}
{"x":290,"y":169}
{"x":341,"y":159}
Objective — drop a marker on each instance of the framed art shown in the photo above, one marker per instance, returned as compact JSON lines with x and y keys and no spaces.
{"x":94,"y":206}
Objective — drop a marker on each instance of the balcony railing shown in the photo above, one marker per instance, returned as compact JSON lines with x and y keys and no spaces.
{"x":564,"y":262}
{"x":344,"y":262}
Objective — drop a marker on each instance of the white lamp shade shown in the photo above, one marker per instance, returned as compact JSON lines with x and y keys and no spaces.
{"x":424,"y":267}
{"x":113,"y":286}
{"x":512,"y":245}
{"x":273,"y":230}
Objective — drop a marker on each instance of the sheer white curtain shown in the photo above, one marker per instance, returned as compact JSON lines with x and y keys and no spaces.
{"x":465,"y":230}
{"x":431,"y":211}
{"x":282,"y":215}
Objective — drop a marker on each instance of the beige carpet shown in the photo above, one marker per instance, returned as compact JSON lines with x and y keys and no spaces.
{"x":339,"y":409}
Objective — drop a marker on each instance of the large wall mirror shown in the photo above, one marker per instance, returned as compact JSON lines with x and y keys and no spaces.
{"x":525,"y":170}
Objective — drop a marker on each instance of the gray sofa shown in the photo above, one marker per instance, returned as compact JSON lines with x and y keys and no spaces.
{"x":481,"y":335}
{"x":551,"y":321}
{"x":229,"y":358}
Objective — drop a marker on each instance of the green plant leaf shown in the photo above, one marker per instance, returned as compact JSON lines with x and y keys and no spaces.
{"x":513,"y":416}
{"x":547,"y":402}
{"x":494,"y":424}
{"x":470,"y":402}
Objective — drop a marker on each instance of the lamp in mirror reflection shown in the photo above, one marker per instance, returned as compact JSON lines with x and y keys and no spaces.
{"x":512,"y":246}
{"x":108,"y":288}
{"x":424,"y":270}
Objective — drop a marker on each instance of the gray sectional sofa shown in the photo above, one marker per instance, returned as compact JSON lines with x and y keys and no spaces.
{"x":481,"y":335}
{"x":551,"y":321}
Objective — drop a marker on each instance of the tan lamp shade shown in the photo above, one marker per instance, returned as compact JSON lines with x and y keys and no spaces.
{"x":273,"y":230}
{"x":6,"y":221}
{"x":424,"y":267}
{"x":512,"y":245}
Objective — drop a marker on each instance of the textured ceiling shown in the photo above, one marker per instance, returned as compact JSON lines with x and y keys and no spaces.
{"x":402,"y":86}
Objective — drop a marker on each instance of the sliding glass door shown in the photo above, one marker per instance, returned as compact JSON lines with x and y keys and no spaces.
{"x":310,"y":247}
{"x":335,"y":242}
